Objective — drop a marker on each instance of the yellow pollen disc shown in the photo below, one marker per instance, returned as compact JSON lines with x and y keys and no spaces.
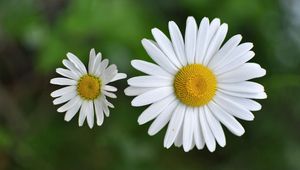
{"x":88,"y":87}
{"x":195,"y":85}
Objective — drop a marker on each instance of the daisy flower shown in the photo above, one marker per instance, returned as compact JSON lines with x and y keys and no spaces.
{"x":85,"y":90}
{"x":197,"y":85}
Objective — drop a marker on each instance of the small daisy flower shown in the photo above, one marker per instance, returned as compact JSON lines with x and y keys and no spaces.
{"x":196,"y":84}
{"x":85,"y":90}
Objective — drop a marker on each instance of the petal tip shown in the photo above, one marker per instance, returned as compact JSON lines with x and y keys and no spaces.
{"x":150,"y":132}
{"x":67,"y":119}
{"x":134,"y":103}
{"x":139,"y":121}
{"x":99,"y":123}
{"x":154,"y":30}
{"x":190,"y":18}
{"x":211,"y":150}
{"x":240,"y":133}
{"x":223,"y":144}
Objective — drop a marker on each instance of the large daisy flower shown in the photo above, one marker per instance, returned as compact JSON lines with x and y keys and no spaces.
{"x":86,"y":91}
{"x":196,"y":85}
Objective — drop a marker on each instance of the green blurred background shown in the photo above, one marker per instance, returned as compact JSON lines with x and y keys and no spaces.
{"x":35,"y":35}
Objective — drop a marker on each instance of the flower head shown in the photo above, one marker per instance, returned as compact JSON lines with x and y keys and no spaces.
{"x":196,"y":84}
{"x":85,"y":90}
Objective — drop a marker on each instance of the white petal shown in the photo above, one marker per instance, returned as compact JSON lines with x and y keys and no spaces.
{"x":190,"y":40}
{"x":78,"y":64}
{"x":71,"y":67}
{"x":72,"y":111}
{"x":64,"y":98}
{"x":261,"y":95}
{"x":202,"y":40}
{"x":104,"y":106}
{"x":96,"y":64}
{"x":178,"y":141}
{"x":207,"y":133}
{"x":233,"y":108}
{"x":158,"y":56}
{"x":63,"y":91}
{"x":67,"y":73}
{"x":69,"y":104}
{"x":238,"y":52}
{"x":193,"y":144}
{"x":215,"y":127}
{"x":90,"y":114}
{"x":92,"y":59}
{"x":109,"y":104}
{"x":245,"y":72}
{"x":83,"y":112}
{"x":110,"y":88}
{"x":174,"y":125}
{"x":166,"y":46}
{"x":108,"y":94}
{"x":246,"y":103}
{"x":118,"y":76}
{"x":99,"y":112}
{"x":198,"y":136}
{"x":213,"y":27}
{"x":155,"y":109}
{"x":188,"y":125}
{"x":152,"y":96}
{"x":244,"y":87}
{"x":92,"y":52}
{"x":63,"y":81}
{"x":235,"y":63}
{"x":229,"y":121}
{"x":109,"y":73}
{"x":162,"y":119}
{"x":216,"y":43}
{"x":149,"y":68}
{"x":150,"y":81}
{"x":135,"y":91}
{"x":100,"y":69}
{"x":225,"y":51}
{"x":177,"y":42}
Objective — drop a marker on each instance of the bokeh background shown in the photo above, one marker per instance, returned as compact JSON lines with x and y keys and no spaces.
{"x":35,"y":35}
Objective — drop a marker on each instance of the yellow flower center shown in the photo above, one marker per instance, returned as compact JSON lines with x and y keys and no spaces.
{"x":88,"y":87}
{"x":195,"y":85}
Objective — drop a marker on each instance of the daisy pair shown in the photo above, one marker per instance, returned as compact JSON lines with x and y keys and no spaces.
{"x":195,"y":86}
